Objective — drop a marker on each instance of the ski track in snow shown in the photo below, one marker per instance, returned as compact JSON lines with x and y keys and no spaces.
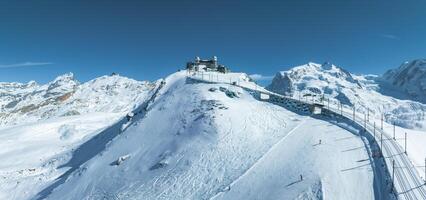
{"x":264,"y":155}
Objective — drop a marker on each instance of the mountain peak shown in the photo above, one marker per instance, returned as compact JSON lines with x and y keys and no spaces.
{"x":65,"y":77}
{"x":313,"y":78}
{"x":65,"y":82}
{"x":410,"y":78}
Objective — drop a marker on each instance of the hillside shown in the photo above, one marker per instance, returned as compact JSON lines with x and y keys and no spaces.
{"x":43,"y":125}
{"x":201,"y":140}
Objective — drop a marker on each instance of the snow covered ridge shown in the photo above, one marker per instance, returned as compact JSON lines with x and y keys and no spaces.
{"x":197,"y":141}
{"x":410,"y":78}
{"x":65,"y":96}
{"x":364,"y":91}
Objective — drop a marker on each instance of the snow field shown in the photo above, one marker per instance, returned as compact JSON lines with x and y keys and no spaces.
{"x":31,"y":153}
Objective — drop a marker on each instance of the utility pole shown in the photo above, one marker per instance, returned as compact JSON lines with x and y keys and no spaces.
{"x":365,"y":121}
{"x":405,"y":143}
{"x":354,"y":113}
{"x":374,"y":130}
{"x":393,"y":173}
{"x":381,"y":141}
{"x":328,"y":103}
{"x":382,"y":122}
{"x":368,"y":114}
{"x":393,"y":130}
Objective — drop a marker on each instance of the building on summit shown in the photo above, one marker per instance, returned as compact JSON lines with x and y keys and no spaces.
{"x":206,"y":65}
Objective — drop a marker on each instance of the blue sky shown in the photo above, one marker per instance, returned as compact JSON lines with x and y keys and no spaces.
{"x":147,"y":40}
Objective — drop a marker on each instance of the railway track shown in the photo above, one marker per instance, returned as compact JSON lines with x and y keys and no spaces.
{"x":408,"y":184}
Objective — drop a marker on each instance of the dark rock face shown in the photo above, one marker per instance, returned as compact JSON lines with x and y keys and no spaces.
{"x":281,"y":84}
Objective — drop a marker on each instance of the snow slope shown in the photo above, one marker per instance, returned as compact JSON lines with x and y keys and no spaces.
{"x":43,"y":125}
{"x":32,"y":153}
{"x":276,"y":176}
{"x":198,"y":140}
{"x":365,"y":92}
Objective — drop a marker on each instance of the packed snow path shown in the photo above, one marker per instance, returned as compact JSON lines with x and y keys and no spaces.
{"x":312,"y":154}
{"x":407,"y":182}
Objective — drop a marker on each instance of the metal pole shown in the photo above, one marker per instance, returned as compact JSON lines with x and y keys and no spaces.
{"x":368,"y":114}
{"x":405,"y":143}
{"x":393,"y":130}
{"x":365,"y":121}
{"x":328,"y":99}
{"x":354,"y":113}
{"x":382,"y":122}
{"x":374,"y":129}
{"x":341,"y":109}
{"x":381,"y":141}
{"x":425,"y":170}
{"x":393,"y":173}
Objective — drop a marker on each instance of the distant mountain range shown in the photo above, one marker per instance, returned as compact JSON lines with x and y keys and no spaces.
{"x":66,"y":96}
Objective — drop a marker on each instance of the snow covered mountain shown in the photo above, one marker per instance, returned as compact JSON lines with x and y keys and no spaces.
{"x":197,"y":141}
{"x":197,"y":136}
{"x":189,"y":139}
{"x":409,"y":78}
{"x":42,"y":125}
{"x":65,"y":96}
{"x":365,"y":92}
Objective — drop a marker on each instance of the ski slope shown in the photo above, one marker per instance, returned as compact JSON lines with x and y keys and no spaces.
{"x":338,"y":168}
{"x":196,"y":142}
